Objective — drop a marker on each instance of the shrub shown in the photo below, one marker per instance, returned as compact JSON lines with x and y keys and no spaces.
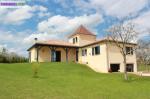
{"x":110,"y":71}
{"x":35,"y":69}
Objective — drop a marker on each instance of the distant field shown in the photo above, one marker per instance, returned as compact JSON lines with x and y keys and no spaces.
{"x":68,"y":81}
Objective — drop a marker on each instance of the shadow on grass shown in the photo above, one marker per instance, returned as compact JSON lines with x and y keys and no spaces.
{"x":39,"y":77}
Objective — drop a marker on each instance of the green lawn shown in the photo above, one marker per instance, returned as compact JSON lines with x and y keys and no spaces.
{"x":68,"y":81}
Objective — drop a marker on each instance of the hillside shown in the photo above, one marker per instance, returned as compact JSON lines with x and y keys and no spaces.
{"x":68,"y":81}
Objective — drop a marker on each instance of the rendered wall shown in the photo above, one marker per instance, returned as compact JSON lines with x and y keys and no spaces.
{"x":83,"y":39}
{"x":101,"y":63}
{"x":33,"y":55}
{"x":45,"y":54}
{"x":96,"y":62}
{"x":115,"y":57}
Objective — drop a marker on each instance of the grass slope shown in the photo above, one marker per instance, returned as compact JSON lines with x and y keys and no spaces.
{"x":68,"y":81}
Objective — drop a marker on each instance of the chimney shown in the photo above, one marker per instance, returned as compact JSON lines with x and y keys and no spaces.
{"x":35,"y":40}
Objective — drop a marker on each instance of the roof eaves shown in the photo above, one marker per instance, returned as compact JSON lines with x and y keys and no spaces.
{"x":31,"y":47}
{"x":104,"y":40}
{"x":71,"y":46}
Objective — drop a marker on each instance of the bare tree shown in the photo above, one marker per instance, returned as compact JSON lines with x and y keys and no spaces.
{"x":143,"y":52}
{"x":121,"y":35}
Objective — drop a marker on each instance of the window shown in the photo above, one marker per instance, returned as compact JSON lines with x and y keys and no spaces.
{"x":129,"y":51}
{"x":96,"y":50}
{"x":76,"y":39}
{"x":73,"y":40}
{"x":53,"y":55}
{"x":93,"y":51}
{"x":84,"y":52}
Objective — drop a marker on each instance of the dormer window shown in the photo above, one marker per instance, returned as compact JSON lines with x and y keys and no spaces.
{"x":75,"y":40}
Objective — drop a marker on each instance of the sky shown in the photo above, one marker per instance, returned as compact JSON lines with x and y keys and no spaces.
{"x":56,"y":19}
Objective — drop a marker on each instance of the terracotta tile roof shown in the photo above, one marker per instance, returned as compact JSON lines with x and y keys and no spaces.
{"x":57,"y":43}
{"x":82,"y":30}
{"x":67,"y":44}
{"x":104,"y":40}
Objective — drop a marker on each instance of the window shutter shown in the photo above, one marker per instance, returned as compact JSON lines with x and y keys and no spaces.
{"x":93,"y":51}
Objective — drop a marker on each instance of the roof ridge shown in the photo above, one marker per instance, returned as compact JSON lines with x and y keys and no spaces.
{"x":82,"y":30}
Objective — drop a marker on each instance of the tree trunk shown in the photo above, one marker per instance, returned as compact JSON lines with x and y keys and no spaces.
{"x":148,"y":67}
{"x":125,"y":71}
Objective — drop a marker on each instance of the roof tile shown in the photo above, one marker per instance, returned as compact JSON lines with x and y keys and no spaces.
{"x":57,"y":42}
{"x":82,"y":30}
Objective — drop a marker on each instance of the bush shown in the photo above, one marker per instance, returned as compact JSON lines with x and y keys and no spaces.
{"x":110,"y":71}
{"x":35,"y":69}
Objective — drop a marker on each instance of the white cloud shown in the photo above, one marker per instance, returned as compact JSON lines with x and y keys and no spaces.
{"x":41,"y":8}
{"x":14,"y":41}
{"x":19,"y":42}
{"x":11,"y":37}
{"x":143,"y":20}
{"x":142,"y":24}
{"x":116,"y":8}
{"x":43,"y":14}
{"x":41,"y":37}
{"x":57,"y":27}
{"x":63,"y":24}
{"x":3,"y":46}
{"x":19,"y":15}
{"x":64,"y":3}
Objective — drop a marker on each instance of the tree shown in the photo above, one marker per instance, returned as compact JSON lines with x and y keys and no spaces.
{"x":143,"y":52}
{"x":11,"y":57}
{"x":4,"y":50}
{"x":122,"y":34}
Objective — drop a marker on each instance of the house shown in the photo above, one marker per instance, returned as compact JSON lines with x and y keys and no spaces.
{"x":82,"y":47}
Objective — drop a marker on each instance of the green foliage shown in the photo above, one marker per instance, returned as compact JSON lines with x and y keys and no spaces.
{"x":68,"y":81}
{"x":35,"y":69}
{"x":6,"y":57}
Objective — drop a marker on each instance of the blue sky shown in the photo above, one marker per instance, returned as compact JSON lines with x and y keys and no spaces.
{"x":56,"y":19}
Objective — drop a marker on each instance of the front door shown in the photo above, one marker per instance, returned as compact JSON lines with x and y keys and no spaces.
{"x":77,"y":55}
{"x":58,"y":56}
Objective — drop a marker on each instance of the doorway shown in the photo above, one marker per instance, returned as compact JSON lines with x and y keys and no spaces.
{"x":77,"y":55}
{"x":129,"y":67}
{"x":115,"y":67}
{"x":58,"y":56}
